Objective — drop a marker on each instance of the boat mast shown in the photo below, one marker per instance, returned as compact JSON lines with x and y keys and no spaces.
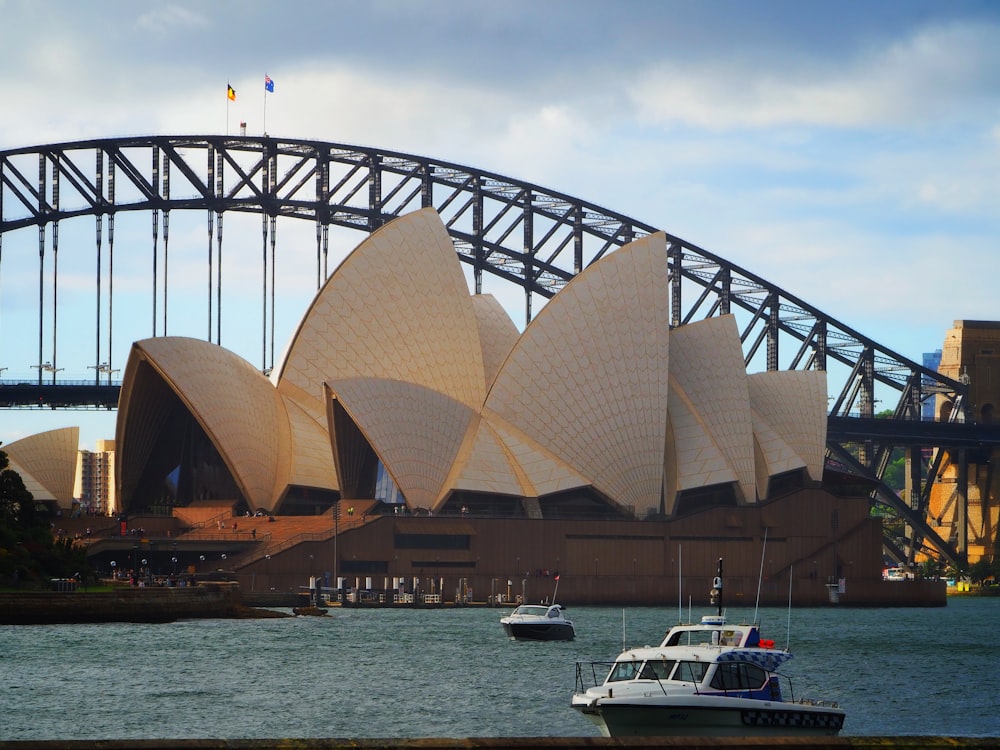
{"x":716,"y":592}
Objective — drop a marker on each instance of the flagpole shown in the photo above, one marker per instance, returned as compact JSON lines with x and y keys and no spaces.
{"x":228,"y":89}
{"x":265,"y":104}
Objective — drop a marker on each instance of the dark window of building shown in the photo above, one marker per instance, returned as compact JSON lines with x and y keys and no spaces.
{"x":431,"y":541}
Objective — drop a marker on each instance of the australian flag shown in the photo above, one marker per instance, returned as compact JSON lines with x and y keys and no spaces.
{"x":268,"y":84}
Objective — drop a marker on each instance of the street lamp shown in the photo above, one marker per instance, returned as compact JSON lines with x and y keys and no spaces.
{"x":47,"y":367}
{"x":102,"y":369}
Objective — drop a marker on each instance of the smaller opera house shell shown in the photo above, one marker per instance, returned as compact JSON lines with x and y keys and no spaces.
{"x":399,"y":385}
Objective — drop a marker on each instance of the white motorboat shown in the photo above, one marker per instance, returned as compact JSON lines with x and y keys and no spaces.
{"x":704,"y":679}
{"x":538,"y":622}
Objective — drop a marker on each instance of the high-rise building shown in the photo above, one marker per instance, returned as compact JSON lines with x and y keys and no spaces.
{"x":95,"y":479}
{"x":932,"y":360}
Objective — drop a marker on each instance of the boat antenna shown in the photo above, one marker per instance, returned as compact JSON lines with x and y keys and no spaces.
{"x":680,"y":583}
{"x":623,"y":629}
{"x":788,"y":634}
{"x":760,"y":576}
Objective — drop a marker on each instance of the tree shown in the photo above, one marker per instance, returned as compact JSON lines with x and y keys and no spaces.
{"x":980,"y":570}
{"x":28,"y":551}
{"x":17,"y":505}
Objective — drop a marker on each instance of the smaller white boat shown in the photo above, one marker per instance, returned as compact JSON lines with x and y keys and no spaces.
{"x":710,"y":678}
{"x":538,"y":622}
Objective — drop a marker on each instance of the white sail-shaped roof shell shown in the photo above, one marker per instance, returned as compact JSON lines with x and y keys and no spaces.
{"x":588,"y":377}
{"x":46,"y":462}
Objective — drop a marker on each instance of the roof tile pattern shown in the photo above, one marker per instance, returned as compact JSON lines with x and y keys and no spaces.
{"x":706,"y":364}
{"x":693,"y":458}
{"x":418,"y":431}
{"x":772,"y":454}
{"x":794,"y":404}
{"x":373,"y":319}
{"x":490,"y":467}
{"x":588,"y":377}
{"x":310,"y":460}
{"x":233,"y":402}
{"x":497,"y":333}
{"x":46,"y":462}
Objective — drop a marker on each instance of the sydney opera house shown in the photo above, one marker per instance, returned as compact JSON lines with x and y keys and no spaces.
{"x":435,"y":447}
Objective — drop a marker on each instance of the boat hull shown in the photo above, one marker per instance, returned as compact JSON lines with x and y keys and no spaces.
{"x":539,"y":631}
{"x":709,"y":716}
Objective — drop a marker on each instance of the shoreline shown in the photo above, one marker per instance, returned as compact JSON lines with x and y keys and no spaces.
{"x":127,"y":604}
{"x":211,"y":600}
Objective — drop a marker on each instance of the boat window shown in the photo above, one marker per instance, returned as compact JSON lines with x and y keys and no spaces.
{"x":731,"y":637}
{"x":624,"y":670}
{"x":693,"y":638}
{"x":690,"y":671}
{"x":738,"y":676}
{"x":657,"y":669}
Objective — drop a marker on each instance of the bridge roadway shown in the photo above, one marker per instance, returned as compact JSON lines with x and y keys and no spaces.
{"x":897,"y":432}
{"x":66,"y":394}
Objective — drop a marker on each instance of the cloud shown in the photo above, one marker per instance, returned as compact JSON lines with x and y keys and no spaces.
{"x":170,"y":18}
{"x":910,"y":83}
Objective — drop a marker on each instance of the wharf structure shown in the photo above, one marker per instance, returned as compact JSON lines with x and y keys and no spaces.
{"x":412,"y":442}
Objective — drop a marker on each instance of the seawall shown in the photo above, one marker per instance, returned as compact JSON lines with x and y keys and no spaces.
{"x":126,"y":604}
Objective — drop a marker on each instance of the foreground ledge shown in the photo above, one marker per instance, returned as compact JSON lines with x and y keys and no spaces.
{"x":514,"y":743}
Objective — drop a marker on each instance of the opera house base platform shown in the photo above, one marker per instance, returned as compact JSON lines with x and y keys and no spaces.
{"x":827,"y":547}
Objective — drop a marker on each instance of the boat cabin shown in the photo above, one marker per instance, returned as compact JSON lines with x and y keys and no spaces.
{"x":713,"y":631}
{"x":537,"y":610}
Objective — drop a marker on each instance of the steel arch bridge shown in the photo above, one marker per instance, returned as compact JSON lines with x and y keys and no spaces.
{"x":524,"y":235}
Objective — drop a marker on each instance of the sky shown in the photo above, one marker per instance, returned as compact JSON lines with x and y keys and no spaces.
{"x":847,"y":152}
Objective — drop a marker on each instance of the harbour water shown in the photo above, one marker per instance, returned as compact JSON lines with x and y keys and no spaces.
{"x":380,"y":673}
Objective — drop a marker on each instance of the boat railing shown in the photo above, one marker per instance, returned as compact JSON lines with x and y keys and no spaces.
{"x":591,"y":674}
{"x":788,"y":694}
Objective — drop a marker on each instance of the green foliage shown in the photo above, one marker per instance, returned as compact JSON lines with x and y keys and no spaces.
{"x":980,"y":570}
{"x":895,"y":472}
{"x":932,"y":567}
{"x":28,"y":552}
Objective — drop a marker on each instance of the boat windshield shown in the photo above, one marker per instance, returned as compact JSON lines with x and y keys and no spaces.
{"x":624,"y":670}
{"x":532,"y":610}
{"x":659,"y":669}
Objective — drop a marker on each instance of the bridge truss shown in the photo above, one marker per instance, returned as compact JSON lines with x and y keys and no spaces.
{"x":527,"y":237}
